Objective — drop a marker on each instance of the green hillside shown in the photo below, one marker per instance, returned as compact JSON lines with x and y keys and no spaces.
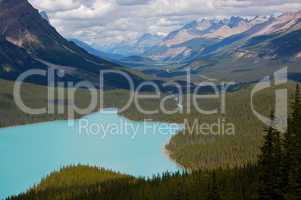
{"x":34,"y":96}
{"x":195,"y":186}
{"x":194,"y":150}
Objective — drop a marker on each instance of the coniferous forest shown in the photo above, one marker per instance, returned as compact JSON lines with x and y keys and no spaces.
{"x":277,"y":175}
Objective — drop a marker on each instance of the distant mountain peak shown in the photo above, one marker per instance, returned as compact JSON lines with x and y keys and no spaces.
{"x":191,"y":24}
{"x":264,"y":18}
{"x":235,"y":21}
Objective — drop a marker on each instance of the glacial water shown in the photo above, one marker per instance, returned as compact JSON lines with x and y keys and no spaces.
{"x":105,"y":139}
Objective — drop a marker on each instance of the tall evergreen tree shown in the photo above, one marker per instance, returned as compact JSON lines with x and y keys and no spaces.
{"x":270,"y":165}
{"x":265,"y":166}
{"x":277,"y":169}
{"x":213,"y":189}
{"x":286,"y":158}
{"x":294,"y":149}
{"x":179,"y":191}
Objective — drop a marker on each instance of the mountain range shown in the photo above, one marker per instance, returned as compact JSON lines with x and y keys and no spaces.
{"x":198,"y":37}
{"x":208,"y":37}
{"x":234,"y":48}
{"x":260,"y":50}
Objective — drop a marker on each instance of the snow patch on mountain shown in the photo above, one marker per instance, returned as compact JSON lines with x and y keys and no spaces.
{"x":281,"y":24}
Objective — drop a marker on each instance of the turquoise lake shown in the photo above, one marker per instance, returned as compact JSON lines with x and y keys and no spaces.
{"x":105,"y":139}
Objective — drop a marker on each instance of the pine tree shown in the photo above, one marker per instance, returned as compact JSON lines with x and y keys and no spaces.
{"x":270,"y":165}
{"x":265,"y":166}
{"x":286,"y":158}
{"x":179,"y":191}
{"x":294,"y":149}
{"x":277,"y":169}
{"x":298,"y":145}
{"x":213,"y":189}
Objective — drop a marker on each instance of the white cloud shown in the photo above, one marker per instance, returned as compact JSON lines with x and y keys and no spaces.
{"x":103,"y":22}
{"x":91,"y":11}
{"x":56,"y":5}
{"x":132,"y":2}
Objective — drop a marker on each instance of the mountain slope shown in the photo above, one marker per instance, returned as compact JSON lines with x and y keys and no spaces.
{"x":14,"y":60}
{"x":147,"y":41}
{"x":23,"y":26}
{"x":195,"y":36}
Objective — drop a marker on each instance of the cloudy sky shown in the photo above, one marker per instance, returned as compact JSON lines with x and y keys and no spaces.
{"x":102,"y":22}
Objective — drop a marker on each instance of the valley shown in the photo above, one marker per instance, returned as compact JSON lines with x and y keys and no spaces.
{"x":210,"y":81}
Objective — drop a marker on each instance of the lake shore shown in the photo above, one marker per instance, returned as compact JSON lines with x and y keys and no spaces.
{"x":167,"y":154}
